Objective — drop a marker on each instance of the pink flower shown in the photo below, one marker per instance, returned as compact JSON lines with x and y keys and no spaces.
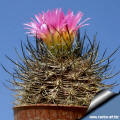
{"x":55,"y":26}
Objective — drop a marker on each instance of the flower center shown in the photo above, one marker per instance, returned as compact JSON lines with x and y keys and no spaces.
{"x":59,"y":40}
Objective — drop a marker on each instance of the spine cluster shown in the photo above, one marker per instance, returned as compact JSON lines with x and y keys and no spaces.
{"x":71,"y":77}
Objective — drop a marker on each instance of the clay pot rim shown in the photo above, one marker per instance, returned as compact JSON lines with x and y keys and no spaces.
{"x":49,"y":105}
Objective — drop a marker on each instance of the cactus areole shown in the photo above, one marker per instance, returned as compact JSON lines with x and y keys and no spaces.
{"x":62,"y":69}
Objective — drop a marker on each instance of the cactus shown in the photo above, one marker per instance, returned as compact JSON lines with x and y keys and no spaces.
{"x":61,"y":68}
{"x":71,"y":77}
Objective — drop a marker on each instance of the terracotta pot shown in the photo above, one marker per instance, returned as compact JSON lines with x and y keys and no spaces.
{"x":49,"y":112}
